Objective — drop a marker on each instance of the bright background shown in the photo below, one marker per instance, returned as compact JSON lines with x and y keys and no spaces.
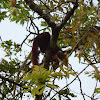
{"x":17,"y":33}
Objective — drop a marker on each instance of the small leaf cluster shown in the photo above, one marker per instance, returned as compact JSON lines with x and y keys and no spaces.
{"x":39,"y":78}
{"x":11,"y":48}
{"x":66,"y":92}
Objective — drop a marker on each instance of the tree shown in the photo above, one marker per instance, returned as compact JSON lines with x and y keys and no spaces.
{"x":74,"y":27}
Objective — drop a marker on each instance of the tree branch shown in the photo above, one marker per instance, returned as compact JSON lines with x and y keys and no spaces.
{"x":45,"y":4}
{"x":40,"y":11}
{"x":71,"y":81}
{"x":68,"y":15}
{"x":11,"y":81}
{"x":96,"y":69}
{"x":80,"y":83}
{"x":23,"y":66}
{"x":25,"y":39}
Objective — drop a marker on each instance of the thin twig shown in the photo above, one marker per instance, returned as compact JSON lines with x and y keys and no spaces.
{"x":71,"y":81}
{"x":26,"y":38}
{"x":45,"y":4}
{"x":11,"y":81}
{"x":34,"y":24}
{"x":89,"y":97}
{"x":24,"y":63}
{"x":96,"y":69}
{"x":68,"y":15}
{"x":75,"y":46}
{"x":41,"y":12}
{"x":60,"y":5}
{"x":94,"y":89}
{"x":80,"y":83}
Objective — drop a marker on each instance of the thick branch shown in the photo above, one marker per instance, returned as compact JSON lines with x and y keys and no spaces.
{"x":55,"y":29}
{"x":68,"y":15}
{"x":55,"y":32}
{"x":40,"y":11}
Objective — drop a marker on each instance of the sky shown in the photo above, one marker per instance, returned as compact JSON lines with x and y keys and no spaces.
{"x":15,"y":32}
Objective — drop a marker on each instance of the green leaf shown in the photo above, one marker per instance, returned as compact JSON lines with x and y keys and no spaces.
{"x":33,"y":92}
{"x":27,"y":86}
{"x":26,"y":90}
{"x":97,"y":90}
{"x":51,"y":4}
{"x":51,"y":86}
{"x":43,"y":23}
{"x":40,"y":91}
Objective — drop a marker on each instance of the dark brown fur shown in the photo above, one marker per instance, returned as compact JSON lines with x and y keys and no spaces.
{"x":42,"y":41}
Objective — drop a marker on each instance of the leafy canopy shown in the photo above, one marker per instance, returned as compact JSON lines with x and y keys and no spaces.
{"x":74,"y":26}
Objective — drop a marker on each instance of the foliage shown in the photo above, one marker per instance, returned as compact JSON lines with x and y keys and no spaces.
{"x":39,"y":79}
{"x":74,"y":26}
